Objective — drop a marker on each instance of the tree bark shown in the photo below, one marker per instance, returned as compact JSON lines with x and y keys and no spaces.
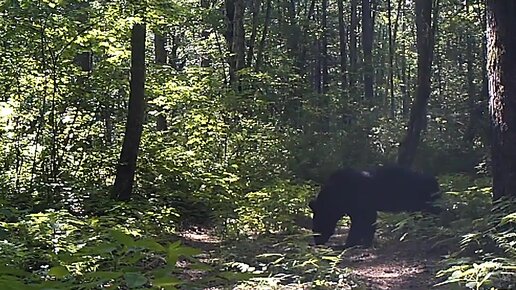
{"x":160,"y":57}
{"x":469,"y":133}
{"x":261,"y":46}
{"x":133,"y":130}
{"x":342,"y":45}
{"x":425,"y":45}
{"x":353,"y":44}
{"x":324,"y":48}
{"x":238,"y":42}
{"x":367,"y":47}
{"x":391,"y":62}
{"x":501,"y":70}
{"x":317,"y":76}
{"x":254,"y":32}
{"x":229,"y":35}
{"x":405,"y":98}
{"x":205,"y":58}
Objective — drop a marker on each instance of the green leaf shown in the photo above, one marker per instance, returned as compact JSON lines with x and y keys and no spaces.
{"x":175,"y":250}
{"x":104,"y":275}
{"x":135,"y":279}
{"x":122,"y":238}
{"x":166,"y":281}
{"x":58,"y":271}
{"x":6,"y":284}
{"x":149,"y":245}
{"x":5,"y":270}
{"x":103,"y":248}
{"x":236,"y":276}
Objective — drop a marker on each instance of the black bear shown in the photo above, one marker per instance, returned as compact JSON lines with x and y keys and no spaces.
{"x":361,"y":194}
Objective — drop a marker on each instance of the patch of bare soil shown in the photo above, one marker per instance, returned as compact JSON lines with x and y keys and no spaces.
{"x":392,"y":264}
{"x":389,"y":265}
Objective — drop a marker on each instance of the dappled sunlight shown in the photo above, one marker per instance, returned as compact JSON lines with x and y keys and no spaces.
{"x":390,"y":264}
{"x":200,"y":236}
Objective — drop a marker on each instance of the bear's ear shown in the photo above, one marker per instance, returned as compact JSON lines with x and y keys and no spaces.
{"x":312,"y":204}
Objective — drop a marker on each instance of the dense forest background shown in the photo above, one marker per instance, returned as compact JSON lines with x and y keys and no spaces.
{"x":227,"y":115}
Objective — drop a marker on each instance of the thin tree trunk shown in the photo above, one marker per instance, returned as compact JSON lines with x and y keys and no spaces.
{"x":324,"y":48}
{"x":317,"y":77}
{"x":205,"y":58}
{"x":254,"y":32}
{"x":501,"y":69}
{"x":325,"y":76}
{"x":261,"y":46}
{"x":405,"y":86}
{"x":353,"y":44}
{"x":342,"y":45}
{"x":160,"y":57}
{"x":133,"y":130}
{"x":425,"y":44}
{"x":397,"y":21}
{"x":303,"y":40}
{"x":477,"y":113}
{"x":391,"y":63}
{"x":484,"y":93}
{"x":469,"y":134}
{"x":294,"y":35}
{"x":367,"y":47}
{"x":229,"y":35}
{"x":238,"y":40}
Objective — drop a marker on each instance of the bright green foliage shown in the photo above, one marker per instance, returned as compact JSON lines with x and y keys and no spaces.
{"x":479,"y":240}
{"x":243,"y":161}
{"x":286,"y":260}
{"x":58,"y":250}
{"x":486,"y":256}
{"x":270,"y":209}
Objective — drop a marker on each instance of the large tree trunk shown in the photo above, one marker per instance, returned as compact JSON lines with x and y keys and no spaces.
{"x":133,"y":130}
{"x":425,"y":46}
{"x":367,"y":47}
{"x":501,"y":70}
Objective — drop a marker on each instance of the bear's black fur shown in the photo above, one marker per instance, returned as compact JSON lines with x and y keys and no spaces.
{"x":361,"y":194}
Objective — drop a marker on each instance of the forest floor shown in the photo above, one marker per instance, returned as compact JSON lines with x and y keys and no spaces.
{"x":391,"y":264}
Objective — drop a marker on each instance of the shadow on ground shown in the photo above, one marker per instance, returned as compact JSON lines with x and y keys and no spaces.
{"x":390,"y":264}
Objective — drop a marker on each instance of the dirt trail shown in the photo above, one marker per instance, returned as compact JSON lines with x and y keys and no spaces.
{"x":390,"y":265}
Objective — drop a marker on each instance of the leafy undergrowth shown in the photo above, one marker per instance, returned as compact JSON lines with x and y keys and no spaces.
{"x":471,"y":244}
{"x":281,"y":261}
{"x":57,"y":250}
{"x":475,"y":239}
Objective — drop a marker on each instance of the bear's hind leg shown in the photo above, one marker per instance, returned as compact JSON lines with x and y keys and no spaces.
{"x":369,"y":226}
{"x":362,"y":230}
